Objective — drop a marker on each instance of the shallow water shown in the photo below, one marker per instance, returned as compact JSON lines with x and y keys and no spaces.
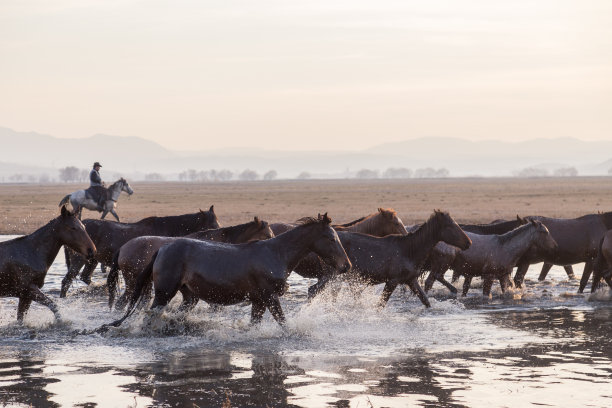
{"x":545,"y":345}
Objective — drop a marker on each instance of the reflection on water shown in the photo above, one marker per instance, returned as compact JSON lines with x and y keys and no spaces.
{"x":540,"y":346}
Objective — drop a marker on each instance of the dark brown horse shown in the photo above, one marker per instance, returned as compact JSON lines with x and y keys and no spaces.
{"x":397,"y":259}
{"x":24,"y":261}
{"x":110,"y":236}
{"x":602,"y":267}
{"x":135,"y":254}
{"x":577,"y":239}
{"x":491,"y":256}
{"x":227,"y":274}
{"x":379,"y":224}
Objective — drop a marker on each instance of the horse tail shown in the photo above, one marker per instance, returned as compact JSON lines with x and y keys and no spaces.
{"x":111,"y":280}
{"x":64,"y":200}
{"x":142,"y":281}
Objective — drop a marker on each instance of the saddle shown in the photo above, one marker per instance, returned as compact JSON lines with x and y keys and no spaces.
{"x":98,"y":194}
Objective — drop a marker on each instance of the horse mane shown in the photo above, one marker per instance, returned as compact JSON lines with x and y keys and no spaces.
{"x":115,"y":183}
{"x":314,"y":220}
{"x":417,"y":240}
{"x":508,"y":236}
{"x":350,"y":224}
{"x":234,"y":231}
{"x":607,"y":219}
{"x":493,"y":228}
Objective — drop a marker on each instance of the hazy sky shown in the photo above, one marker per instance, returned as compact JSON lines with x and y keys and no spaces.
{"x":306,"y":74}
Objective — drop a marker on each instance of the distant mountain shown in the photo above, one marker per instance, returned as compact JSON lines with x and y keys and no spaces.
{"x":35,"y":149}
{"x":33,"y":153}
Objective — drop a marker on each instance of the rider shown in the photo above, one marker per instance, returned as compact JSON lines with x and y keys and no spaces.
{"x":96,"y":186}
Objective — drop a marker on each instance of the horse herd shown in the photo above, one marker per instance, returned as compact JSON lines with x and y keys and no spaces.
{"x":192,"y":254}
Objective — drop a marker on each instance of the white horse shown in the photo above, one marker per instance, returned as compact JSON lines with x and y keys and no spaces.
{"x":80,"y":199}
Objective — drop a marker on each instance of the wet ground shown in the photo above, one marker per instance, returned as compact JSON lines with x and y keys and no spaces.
{"x":542,"y":346}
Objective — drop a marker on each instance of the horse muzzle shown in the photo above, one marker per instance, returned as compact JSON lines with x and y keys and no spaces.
{"x":345,"y":267}
{"x":91,"y":252}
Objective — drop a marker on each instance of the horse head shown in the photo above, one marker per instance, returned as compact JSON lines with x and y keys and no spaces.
{"x":326,"y":243}
{"x":543,"y":239}
{"x":72,"y":233}
{"x":125,"y":186}
{"x":392,"y":223}
{"x":208,"y":219}
{"x":450,"y":231}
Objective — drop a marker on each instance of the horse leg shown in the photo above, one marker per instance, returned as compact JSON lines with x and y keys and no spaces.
{"x":386,"y":293}
{"x":467,"y":281}
{"x":487,"y":284}
{"x":76,"y":263}
{"x":189,"y":300}
{"x":455,"y":277}
{"x":274,"y":306}
{"x":416,"y":288}
{"x":608,"y":279}
{"x":88,"y":271}
{"x":36,"y":295}
{"x":258,"y":308}
{"x":318,"y":287}
{"x":586,"y":274}
{"x":569,"y":271}
{"x":112,"y":211}
{"x":545,"y":269}
{"x":505,"y":282}
{"x":22,"y":308}
{"x":104,"y":214}
{"x":521,"y":270}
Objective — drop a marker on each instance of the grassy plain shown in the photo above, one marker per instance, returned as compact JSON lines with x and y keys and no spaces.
{"x":26,"y":207}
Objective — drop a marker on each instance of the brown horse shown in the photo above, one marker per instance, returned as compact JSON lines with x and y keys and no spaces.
{"x":110,"y":236}
{"x":397,"y":259}
{"x":379,"y":224}
{"x":602,"y":267}
{"x":227,"y":274}
{"x":491,"y":256}
{"x":578,"y":241}
{"x":24,"y":261}
{"x":135,"y":254}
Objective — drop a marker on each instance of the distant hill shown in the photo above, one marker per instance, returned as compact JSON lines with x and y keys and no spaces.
{"x":33,"y":153}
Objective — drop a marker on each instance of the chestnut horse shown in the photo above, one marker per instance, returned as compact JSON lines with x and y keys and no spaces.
{"x":135,"y":254}
{"x":110,"y":236}
{"x":231,"y":273}
{"x":24,"y":261}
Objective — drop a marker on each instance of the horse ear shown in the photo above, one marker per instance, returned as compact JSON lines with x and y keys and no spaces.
{"x":325,"y":219}
{"x":256,"y":219}
{"x":65,"y":212}
{"x":380,"y":210}
{"x":212,"y":208}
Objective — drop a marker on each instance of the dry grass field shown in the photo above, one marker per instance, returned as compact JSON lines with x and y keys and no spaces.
{"x":25,"y":207}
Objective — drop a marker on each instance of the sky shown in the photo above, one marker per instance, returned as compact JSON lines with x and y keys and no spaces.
{"x":307,"y":75}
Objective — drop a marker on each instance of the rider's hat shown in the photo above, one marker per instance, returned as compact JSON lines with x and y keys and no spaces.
{"x":97,"y":164}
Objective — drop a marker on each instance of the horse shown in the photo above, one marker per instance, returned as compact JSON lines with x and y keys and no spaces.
{"x":381,"y":223}
{"x":80,"y":199}
{"x":490,"y":256}
{"x":602,"y":266}
{"x":135,"y":254}
{"x":24,"y":261}
{"x":227,"y":274}
{"x":110,"y":236}
{"x":397,"y":259}
{"x":578,"y":241}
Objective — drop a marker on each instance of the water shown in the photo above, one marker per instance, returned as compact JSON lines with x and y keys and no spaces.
{"x":545,"y":345}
